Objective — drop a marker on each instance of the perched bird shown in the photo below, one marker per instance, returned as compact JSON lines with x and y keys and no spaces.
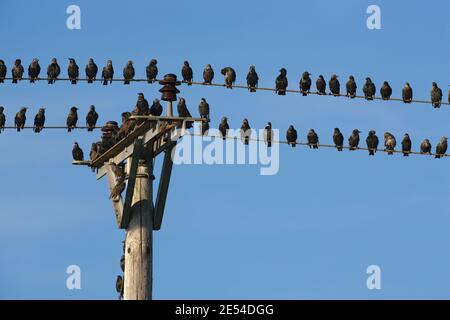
{"x":313,"y":139}
{"x":53,"y":71}
{"x":142,"y":106}
{"x":119,"y":286}
{"x":127,"y":125}
{"x":108,"y":73}
{"x":291,"y":136}
{"x":321,"y":85}
{"x":117,"y":190}
{"x":425,"y":146}
{"x":224,"y":127}
{"x":187,"y":73}
{"x":39,"y":120}
{"x":91,"y":70}
{"x":20,"y":119}
{"x":184,"y":112}
{"x":230,"y":76}
{"x":205,"y":128}
{"x":246,"y":131}
{"x":281,"y":82}
{"x":252,"y":79}
{"x":156,"y":109}
{"x":34,"y":69}
{"x":118,"y":171}
{"x":407,"y":93}
{"x":338,"y":139}
{"x":369,"y":89}
{"x":77,"y":153}
{"x":305,"y":83}
{"x":73,"y":71}
{"x":208,"y":74}
{"x":93,"y":154}
{"x":436,"y":95}
{"x":268,"y":134}
{"x":441,"y":148}
{"x":128,"y":72}
{"x":449,"y":96}
{"x":2,"y":119}
{"x":386,"y":91}
{"x":351,"y":87}
{"x":372,"y":142}
{"x":335,"y":86}
{"x":203,"y":109}
{"x":72,"y":119}
{"x":122,"y":262}
{"x":353,"y":141}
{"x":389,"y":143}
{"x":91,"y":118}
{"x":406,"y":145}
{"x":17,"y":71}
{"x":152,"y":71}
{"x":3,"y":71}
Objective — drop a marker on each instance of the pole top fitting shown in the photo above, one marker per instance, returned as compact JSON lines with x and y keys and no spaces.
{"x":169,"y":90}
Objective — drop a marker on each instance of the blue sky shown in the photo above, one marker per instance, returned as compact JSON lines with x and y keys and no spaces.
{"x":308,"y":232}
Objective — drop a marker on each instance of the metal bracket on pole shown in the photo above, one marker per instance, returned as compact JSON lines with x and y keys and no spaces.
{"x":163,"y":188}
{"x":137,"y":152}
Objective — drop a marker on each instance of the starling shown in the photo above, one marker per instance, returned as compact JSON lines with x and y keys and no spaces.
{"x":33,"y":70}
{"x":184,"y":112}
{"x":305,"y":83}
{"x":20,"y":119}
{"x":353,"y":141}
{"x":17,"y":71}
{"x":94,"y":151}
{"x":3,"y":71}
{"x":53,"y":71}
{"x":73,"y":71}
{"x":313,"y":139}
{"x":351,"y":87}
{"x":291,"y":136}
{"x":406,"y":145}
{"x":77,"y":153}
{"x":252,"y":79}
{"x":436,"y":95}
{"x":246,"y":131}
{"x":91,"y":70}
{"x":407,"y":93}
{"x":127,"y":125}
{"x":369,"y":89}
{"x":152,"y":71}
{"x":156,"y":109}
{"x":335,"y":86}
{"x":203,"y":109}
{"x":187,"y":73}
{"x":72,"y":119}
{"x":321,"y":85}
{"x":425,"y":146}
{"x":268,"y":134}
{"x":208,"y":74}
{"x":119,"y":286}
{"x":281,"y":82}
{"x":142,"y":107}
{"x":2,"y":119}
{"x":119,"y":171}
{"x":224,"y":127}
{"x":128,"y":72}
{"x":338,"y":139}
{"x":372,"y":142}
{"x":117,"y":190}
{"x":108,"y":73}
{"x":205,"y":128}
{"x":389,"y":143}
{"x":386,"y":91}
{"x":230,"y":76}
{"x":91,"y":118}
{"x":122,"y":263}
{"x":39,"y":120}
{"x":441,"y":148}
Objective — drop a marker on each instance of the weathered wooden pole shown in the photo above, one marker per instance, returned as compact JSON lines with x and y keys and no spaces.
{"x":139,"y":240}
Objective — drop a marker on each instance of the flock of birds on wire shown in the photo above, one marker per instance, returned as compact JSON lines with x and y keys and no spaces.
{"x":112,"y":132}
{"x":281,"y":82}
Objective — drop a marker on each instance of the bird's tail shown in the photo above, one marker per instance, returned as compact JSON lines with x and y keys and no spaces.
{"x":371,"y":152}
{"x":126,"y":82}
{"x":1,"y":80}
{"x":340,"y":148}
{"x":32,"y":80}
{"x":18,"y":129}
{"x":90,"y":129}
{"x":316,"y":146}
{"x":105,"y":82}
{"x":50,"y":81}
{"x":405,"y":154}
{"x":437,"y":156}
{"x":189,"y":83}
{"x":14,"y":80}
{"x":304,"y":93}
{"x":69,"y":129}
{"x":90,"y":81}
